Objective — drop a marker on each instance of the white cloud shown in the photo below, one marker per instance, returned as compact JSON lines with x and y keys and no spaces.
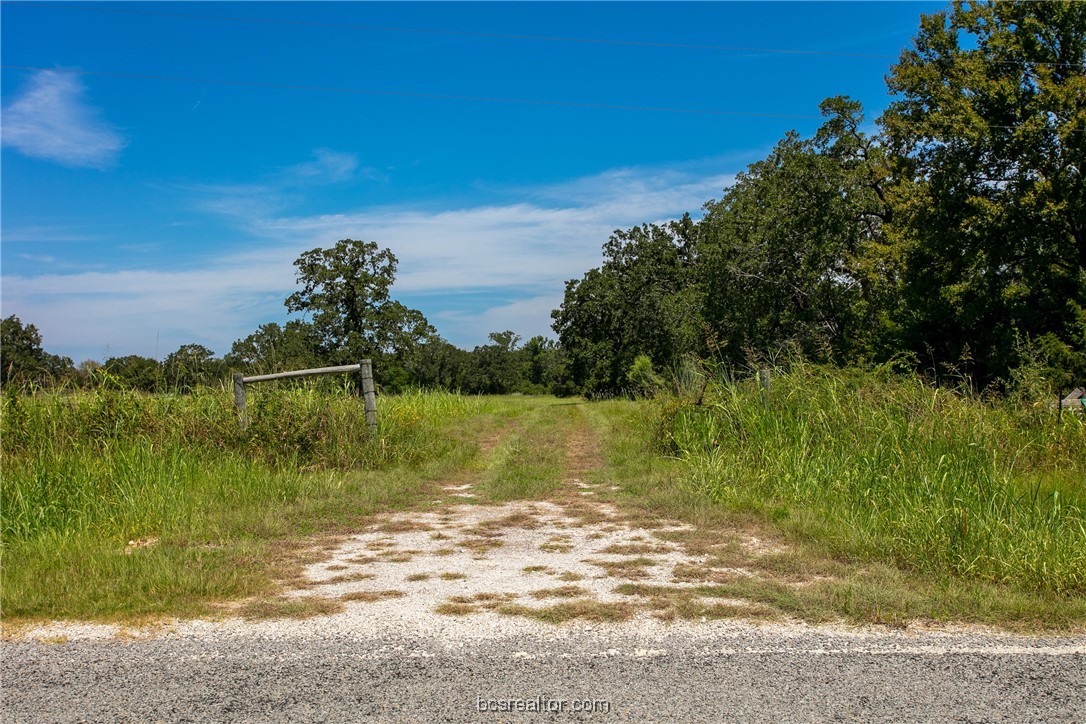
{"x":328,"y":166}
{"x":130,"y":311}
{"x":530,"y":245}
{"x":50,"y":120}
{"x":40,"y":233}
{"x":470,"y":270}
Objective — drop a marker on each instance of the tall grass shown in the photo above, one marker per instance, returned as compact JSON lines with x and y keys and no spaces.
{"x":884,"y":467}
{"x":86,"y":473}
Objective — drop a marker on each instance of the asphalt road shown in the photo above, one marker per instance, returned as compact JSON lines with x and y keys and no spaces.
{"x":729,"y":673}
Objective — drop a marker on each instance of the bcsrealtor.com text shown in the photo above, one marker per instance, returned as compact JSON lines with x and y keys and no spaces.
{"x":543,"y":704}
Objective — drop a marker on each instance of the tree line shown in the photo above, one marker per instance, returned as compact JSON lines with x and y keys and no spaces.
{"x":350,"y":315}
{"x":948,"y":235}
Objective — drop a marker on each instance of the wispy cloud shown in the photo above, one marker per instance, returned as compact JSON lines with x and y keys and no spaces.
{"x":48,"y":233}
{"x":41,"y":259}
{"x":248,"y":203}
{"x":471,"y":270}
{"x":238,"y":202}
{"x":129,"y":312}
{"x":330,"y":166}
{"x":531,"y":246}
{"x":51,"y":120}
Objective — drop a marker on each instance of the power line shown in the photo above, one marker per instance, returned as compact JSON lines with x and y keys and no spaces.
{"x":472,"y":33}
{"x":443,"y":96}
{"x":413,"y":94}
{"x":515,"y":36}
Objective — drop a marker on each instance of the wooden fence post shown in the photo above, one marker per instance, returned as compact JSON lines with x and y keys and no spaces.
{"x":370,"y":399}
{"x":239,"y":399}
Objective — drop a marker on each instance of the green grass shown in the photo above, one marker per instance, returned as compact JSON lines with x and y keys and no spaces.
{"x":888,"y":468}
{"x":528,"y":464}
{"x":119,"y":504}
{"x":840,"y":557}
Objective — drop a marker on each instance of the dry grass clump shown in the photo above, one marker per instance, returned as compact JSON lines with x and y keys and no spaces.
{"x":398,"y":556}
{"x":403,"y":525}
{"x":557,"y":544}
{"x":694,"y":604}
{"x":634,"y":549}
{"x":463,"y":605}
{"x":583,"y":608}
{"x":631,"y":568}
{"x":344,"y":578}
{"x":497,"y":526}
{"x":560,"y":592}
{"x":697,"y":573}
{"x":288,"y":607}
{"x":370,"y":596}
{"x":449,"y":608}
{"x":479,"y":544}
{"x":485,"y":600}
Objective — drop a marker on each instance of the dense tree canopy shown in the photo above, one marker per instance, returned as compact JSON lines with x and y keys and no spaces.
{"x":135,"y":372}
{"x":191,"y":365}
{"x":273,"y":348}
{"x":953,"y":237}
{"x":22,"y":359}
{"x":643,"y":300}
{"x":989,"y":136}
{"x":786,"y":255}
{"x":345,"y":289}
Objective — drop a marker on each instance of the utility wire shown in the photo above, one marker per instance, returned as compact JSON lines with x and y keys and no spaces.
{"x":513,"y":36}
{"x":413,"y":94}
{"x":468,"y":33}
{"x":443,"y":96}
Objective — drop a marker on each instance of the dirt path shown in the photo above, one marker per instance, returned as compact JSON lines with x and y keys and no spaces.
{"x":569,"y":556}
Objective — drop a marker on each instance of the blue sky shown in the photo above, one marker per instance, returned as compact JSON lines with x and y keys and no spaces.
{"x":163,"y":164}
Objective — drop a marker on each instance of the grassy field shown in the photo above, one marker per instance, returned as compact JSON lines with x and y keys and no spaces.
{"x":877,"y":498}
{"x":119,"y":504}
{"x":891,"y":469}
{"x":838,"y":551}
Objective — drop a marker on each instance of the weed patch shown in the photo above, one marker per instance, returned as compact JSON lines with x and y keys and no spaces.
{"x":888,"y":468}
{"x":284,"y":607}
{"x":585,"y":609}
{"x":370,"y":596}
{"x":632,"y":568}
{"x":560,"y":592}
